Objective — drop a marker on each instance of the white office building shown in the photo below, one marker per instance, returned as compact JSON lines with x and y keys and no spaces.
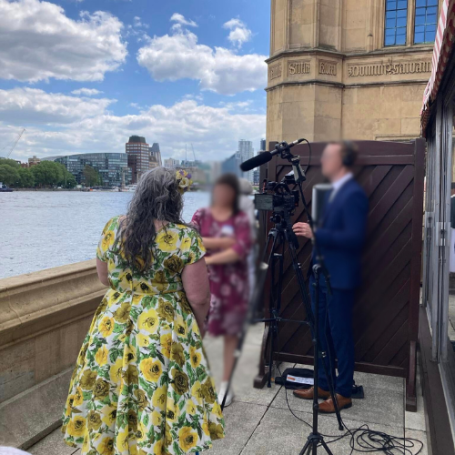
{"x":245,"y":152}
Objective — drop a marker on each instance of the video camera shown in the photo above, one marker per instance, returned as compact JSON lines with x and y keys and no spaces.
{"x":278,"y":197}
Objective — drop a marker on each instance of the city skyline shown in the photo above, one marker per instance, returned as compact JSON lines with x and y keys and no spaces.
{"x":123,"y":70}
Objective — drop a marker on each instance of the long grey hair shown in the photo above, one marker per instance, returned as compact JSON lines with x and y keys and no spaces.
{"x":157,"y":197}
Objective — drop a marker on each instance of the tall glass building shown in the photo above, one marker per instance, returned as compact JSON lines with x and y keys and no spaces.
{"x":138,"y":152}
{"x":110,"y":167}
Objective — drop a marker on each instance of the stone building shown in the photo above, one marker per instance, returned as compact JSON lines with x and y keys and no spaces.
{"x":352,"y":69}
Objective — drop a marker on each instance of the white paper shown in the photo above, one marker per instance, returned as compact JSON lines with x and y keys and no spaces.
{"x":298,"y":380}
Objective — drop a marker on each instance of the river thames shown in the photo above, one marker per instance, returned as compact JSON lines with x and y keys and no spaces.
{"x":40,"y":230}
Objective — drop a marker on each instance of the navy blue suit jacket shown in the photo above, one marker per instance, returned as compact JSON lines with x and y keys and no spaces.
{"x":341,"y":235}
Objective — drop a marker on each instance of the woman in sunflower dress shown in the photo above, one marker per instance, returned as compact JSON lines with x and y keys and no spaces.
{"x":142,"y":385}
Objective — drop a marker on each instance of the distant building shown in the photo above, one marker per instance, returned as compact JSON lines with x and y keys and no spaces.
{"x":110,"y":167}
{"x":193,"y":163}
{"x":262,"y":145}
{"x":246,"y":151}
{"x":256,"y":176}
{"x":215,"y":170}
{"x":171,"y":163}
{"x":33,"y":161}
{"x":232,"y":165}
{"x":138,"y":152}
{"x":155,"y":156}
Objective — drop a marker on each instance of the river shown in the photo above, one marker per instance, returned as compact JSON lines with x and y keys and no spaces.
{"x":40,"y":230}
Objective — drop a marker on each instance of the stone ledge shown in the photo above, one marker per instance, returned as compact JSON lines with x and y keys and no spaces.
{"x":30,"y":416}
{"x":44,"y":317}
{"x":39,"y":301}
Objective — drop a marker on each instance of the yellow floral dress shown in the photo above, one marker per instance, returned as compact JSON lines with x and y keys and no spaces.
{"x":142,"y":383}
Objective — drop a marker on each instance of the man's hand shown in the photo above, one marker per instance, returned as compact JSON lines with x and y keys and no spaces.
{"x":303,"y":230}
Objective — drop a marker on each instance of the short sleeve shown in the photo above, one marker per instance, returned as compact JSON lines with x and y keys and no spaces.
{"x":196,"y":221}
{"x":242,"y":230}
{"x":107,"y":239}
{"x":192,"y":247}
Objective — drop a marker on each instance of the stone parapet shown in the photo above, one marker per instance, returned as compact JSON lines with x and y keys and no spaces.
{"x":44,"y":316}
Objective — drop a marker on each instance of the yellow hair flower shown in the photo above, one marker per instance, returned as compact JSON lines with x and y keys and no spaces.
{"x":184,"y":180}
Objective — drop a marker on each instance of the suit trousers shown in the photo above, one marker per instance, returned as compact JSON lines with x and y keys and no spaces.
{"x":335,"y":336}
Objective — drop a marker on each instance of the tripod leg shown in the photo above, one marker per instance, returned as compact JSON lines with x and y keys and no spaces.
{"x":326,"y":447}
{"x":307,"y":447}
{"x":277,"y":308}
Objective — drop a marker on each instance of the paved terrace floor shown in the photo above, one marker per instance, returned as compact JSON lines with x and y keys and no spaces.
{"x":260,"y":423}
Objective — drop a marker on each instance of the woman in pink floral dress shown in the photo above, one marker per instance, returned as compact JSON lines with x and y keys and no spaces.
{"x":226,"y":235}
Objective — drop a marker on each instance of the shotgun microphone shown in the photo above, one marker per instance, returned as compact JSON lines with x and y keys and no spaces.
{"x":256,"y":161}
{"x":265,"y":157}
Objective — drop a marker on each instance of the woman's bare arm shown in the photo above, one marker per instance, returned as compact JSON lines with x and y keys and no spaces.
{"x":195,"y":281}
{"x":219,"y":243}
{"x":101,"y":270}
{"x":224,"y":257}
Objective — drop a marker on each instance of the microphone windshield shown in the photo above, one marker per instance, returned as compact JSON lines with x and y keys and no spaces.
{"x":256,"y":161}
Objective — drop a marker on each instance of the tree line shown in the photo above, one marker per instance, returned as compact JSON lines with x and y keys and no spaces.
{"x":42,"y":175}
{"x":45,"y":174}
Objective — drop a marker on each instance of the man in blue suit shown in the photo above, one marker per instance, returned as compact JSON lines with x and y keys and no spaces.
{"x":340,"y":236}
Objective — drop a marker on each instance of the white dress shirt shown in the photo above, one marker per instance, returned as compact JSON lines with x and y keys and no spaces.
{"x":339,"y":183}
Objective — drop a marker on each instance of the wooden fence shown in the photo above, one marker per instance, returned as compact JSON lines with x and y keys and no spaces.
{"x":386,"y":311}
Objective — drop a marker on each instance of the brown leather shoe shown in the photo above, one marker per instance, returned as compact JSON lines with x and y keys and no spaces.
{"x":327,"y":407}
{"x":308,"y":394}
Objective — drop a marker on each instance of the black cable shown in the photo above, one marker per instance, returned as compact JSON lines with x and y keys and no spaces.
{"x":368,"y":440}
{"x":309,"y":156}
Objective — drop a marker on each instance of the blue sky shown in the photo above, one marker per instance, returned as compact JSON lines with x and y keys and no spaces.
{"x":81,"y":76}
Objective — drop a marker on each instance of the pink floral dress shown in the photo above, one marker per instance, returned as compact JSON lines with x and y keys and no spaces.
{"x":228,"y":282}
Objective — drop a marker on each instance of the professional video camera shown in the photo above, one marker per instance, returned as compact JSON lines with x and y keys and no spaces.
{"x":278,"y":197}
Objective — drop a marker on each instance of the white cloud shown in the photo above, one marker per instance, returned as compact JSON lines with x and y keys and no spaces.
{"x":86,"y":92}
{"x":239,"y":33}
{"x":58,"y":124}
{"x":180,"y":19}
{"x":38,"y":42}
{"x":24,"y":106}
{"x":178,"y":56}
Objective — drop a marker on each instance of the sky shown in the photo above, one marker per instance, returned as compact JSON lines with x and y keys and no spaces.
{"x":81,"y":76}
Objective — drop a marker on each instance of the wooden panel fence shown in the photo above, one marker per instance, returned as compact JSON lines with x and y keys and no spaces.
{"x":386,"y":310}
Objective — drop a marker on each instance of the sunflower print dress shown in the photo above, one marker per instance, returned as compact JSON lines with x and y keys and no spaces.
{"x":142,"y":385}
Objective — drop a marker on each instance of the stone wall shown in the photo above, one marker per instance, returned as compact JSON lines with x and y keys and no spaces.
{"x":331,"y":77}
{"x":44,"y":317}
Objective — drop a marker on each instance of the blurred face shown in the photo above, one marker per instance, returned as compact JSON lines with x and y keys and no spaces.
{"x":331,"y":161}
{"x":223,"y":195}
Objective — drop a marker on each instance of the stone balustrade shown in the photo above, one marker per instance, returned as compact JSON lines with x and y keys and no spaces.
{"x":44,"y":317}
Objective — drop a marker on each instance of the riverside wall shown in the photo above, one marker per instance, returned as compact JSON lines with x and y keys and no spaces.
{"x":44,"y":316}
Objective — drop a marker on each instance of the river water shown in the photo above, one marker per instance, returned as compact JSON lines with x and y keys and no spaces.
{"x":40,"y":230}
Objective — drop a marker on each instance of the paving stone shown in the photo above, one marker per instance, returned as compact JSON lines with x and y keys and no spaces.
{"x":35,"y":413}
{"x":379,"y":406}
{"x":242,"y":420}
{"x":373,"y":382}
{"x":416,"y":420}
{"x":421,"y":436}
{"x":281,"y":433}
{"x":52,"y":445}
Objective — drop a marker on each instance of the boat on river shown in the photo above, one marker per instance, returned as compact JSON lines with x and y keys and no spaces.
{"x":5,"y":189}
